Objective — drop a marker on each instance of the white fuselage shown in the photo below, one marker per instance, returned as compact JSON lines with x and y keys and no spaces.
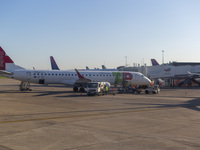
{"x":70,"y":77}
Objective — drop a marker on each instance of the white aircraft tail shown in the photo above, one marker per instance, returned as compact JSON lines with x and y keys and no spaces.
{"x":6,"y":63}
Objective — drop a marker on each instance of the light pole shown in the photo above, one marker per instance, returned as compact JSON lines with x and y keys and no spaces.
{"x":163,"y":56}
{"x":126,"y":60}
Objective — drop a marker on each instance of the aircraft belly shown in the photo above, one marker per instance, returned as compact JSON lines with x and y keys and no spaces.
{"x":99,"y":79}
{"x":68,"y":82}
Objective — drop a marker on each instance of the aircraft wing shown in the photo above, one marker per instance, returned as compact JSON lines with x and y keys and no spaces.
{"x":194,"y":75}
{"x":82,"y":79}
{"x":3,"y":72}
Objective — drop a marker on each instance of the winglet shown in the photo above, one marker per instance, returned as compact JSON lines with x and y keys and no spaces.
{"x":79,"y":75}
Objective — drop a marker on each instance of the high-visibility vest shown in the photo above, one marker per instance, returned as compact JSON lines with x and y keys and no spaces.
{"x":106,"y":88}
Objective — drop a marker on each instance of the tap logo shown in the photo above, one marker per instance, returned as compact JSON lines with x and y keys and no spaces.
{"x":167,"y":70}
{"x":127,"y":76}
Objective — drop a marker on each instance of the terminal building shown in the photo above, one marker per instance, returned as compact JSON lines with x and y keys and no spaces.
{"x":173,"y":74}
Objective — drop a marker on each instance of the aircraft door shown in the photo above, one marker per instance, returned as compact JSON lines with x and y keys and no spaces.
{"x":28,"y":75}
{"x":136,"y":77}
{"x":41,"y":81}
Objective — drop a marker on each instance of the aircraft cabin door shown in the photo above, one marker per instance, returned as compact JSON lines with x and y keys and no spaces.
{"x":136,"y":77}
{"x":28,"y":75}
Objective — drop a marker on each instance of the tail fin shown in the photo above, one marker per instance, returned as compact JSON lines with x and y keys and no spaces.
{"x":6,"y":63}
{"x":54,"y":66}
{"x":87,"y":68}
{"x":154,"y":62}
{"x":103,"y":67}
{"x":4,"y":59}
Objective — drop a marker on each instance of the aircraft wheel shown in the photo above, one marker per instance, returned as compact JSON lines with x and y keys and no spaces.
{"x":82,"y":90}
{"x":75,"y":89}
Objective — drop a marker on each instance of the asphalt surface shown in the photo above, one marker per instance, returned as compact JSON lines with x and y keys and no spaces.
{"x":55,"y":118}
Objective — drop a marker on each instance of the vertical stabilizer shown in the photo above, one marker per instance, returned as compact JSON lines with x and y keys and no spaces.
{"x":6,"y":63}
{"x":154,"y":62}
{"x":4,"y":59}
{"x":103,"y":67}
{"x":54,"y":66}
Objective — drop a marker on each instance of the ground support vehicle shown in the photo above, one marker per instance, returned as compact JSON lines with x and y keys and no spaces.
{"x":97,"y":88}
{"x":155,"y":89}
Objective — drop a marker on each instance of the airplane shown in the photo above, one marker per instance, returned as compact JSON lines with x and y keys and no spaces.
{"x":191,"y":78}
{"x":194,"y":75}
{"x":74,"y":78}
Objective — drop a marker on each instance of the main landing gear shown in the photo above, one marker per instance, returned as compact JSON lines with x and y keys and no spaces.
{"x":82,"y":89}
{"x":24,"y":86}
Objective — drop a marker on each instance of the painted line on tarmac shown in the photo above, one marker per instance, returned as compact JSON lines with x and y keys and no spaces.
{"x":88,"y":115}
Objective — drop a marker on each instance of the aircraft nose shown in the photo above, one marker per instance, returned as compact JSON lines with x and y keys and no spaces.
{"x":148,"y":81}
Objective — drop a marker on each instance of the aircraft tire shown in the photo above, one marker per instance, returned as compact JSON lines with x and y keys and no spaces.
{"x":75,"y":89}
{"x":146,"y":92}
{"x":82,"y":90}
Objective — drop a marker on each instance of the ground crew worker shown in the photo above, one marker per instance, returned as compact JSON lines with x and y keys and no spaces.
{"x":106,"y":90}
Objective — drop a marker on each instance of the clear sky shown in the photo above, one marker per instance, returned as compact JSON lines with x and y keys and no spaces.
{"x":81,"y":33}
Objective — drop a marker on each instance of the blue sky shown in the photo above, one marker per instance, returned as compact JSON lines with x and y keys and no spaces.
{"x":81,"y":33}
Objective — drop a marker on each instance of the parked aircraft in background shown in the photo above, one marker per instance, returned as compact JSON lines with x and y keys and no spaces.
{"x":54,"y":66}
{"x":75,"y":78}
{"x":194,"y":75}
{"x":192,"y":78}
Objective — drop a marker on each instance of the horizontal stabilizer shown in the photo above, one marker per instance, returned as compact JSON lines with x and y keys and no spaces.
{"x":3,"y":72}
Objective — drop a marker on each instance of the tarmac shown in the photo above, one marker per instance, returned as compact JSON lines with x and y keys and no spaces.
{"x":56,"y":118}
